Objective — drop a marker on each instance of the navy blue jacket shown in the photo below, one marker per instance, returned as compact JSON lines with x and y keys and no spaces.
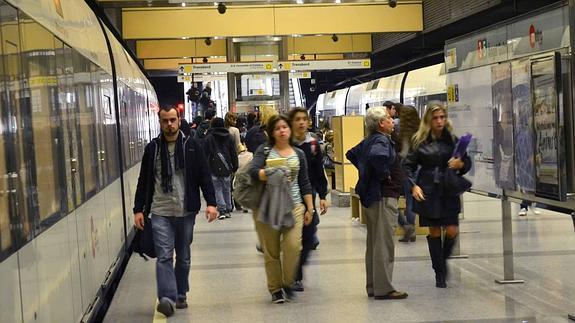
{"x":197,"y":174}
{"x":374,"y":157}
{"x":315,"y":170}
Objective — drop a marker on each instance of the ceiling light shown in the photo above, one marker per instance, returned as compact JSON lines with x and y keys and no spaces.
{"x":183,"y":4}
{"x":337,"y":1}
{"x":299,"y":1}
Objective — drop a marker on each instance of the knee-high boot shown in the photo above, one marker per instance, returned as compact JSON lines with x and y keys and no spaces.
{"x":448,"y":244}
{"x":437,"y":261}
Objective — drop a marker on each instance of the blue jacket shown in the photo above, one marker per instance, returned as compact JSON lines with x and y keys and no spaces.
{"x":373,"y":157}
{"x":197,"y":174}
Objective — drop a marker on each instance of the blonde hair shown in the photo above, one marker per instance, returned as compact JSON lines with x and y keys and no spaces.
{"x":266,"y":112}
{"x":425,"y":125}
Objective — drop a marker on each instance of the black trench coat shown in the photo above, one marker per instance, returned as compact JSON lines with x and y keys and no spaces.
{"x":431,"y":159}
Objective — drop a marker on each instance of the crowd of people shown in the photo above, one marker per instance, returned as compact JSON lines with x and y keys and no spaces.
{"x":401,"y":155}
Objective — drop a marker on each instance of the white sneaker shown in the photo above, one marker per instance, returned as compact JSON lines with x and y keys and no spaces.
{"x":535,"y":210}
{"x":222,"y":216}
{"x":523,"y":212}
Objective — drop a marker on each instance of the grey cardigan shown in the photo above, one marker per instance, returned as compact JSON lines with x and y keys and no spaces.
{"x":276,"y":205}
{"x":259,"y":162}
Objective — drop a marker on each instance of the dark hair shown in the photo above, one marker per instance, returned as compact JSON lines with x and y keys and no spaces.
{"x":197,"y":120}
{"x":217,"y":122}
{"x":241,"y":122}
{"x":209,"y":114}
{"x":271,"y":125}
{"x":408,"y":122}
{"x":295,"y":111}
{"x":252,"y":119}
{"x":167,"y":108}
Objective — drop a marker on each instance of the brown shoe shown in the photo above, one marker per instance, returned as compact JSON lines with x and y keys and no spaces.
{"x":392,"y":295}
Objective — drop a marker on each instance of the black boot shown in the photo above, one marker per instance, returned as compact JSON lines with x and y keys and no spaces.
{"x":447,"y":249}
{"x":437,"y":261}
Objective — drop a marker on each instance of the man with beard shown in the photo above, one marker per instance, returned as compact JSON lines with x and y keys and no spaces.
{"x":172,"y":172}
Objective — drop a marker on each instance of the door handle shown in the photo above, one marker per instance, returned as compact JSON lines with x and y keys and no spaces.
{"x":102,"y":154}
{"x":74,"y":165}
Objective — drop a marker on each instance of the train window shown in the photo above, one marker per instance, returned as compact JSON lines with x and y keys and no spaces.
{"x":39,"y":64}
{"x":5,"y":233}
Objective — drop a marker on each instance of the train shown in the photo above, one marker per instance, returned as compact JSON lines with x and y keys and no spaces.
{"x":415,"y":87}
{"x":76,"y":112}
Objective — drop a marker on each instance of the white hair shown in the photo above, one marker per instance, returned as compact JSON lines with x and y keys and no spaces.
{"x":373,"y":117}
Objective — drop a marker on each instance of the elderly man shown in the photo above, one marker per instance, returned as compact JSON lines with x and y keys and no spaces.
{"x":379,"y":186}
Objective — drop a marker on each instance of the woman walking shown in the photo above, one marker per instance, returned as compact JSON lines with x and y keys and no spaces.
{"x":438,"y":208}
{"x":282,"y":213}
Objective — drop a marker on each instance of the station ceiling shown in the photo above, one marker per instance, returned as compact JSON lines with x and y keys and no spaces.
{"x":165,"y":34}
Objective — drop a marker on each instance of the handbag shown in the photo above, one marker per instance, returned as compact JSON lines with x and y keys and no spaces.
{"x":454,"y":184}
{"x":144,"y":240}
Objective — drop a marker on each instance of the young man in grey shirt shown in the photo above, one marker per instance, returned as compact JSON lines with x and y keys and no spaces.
{"x":172,"y":172}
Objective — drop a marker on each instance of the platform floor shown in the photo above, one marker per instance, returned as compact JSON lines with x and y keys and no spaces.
{"x":228,"y":280}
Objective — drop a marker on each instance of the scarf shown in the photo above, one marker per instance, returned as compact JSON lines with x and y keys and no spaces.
{"x":166,"y":167}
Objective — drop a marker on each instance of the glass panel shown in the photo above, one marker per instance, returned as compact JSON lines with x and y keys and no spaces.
{"x":87,"y":145}
{"x":38,"y":61}
{"x":111,"y":150}
{"x":5,"y":233}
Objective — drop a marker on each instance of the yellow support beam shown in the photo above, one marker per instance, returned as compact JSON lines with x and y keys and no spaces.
{"x":177,"y":48}
{"x":268,"y":20}
{"x":325,"y":45}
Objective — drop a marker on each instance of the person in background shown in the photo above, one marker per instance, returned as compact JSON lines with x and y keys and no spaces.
{"x":230,"y":124}
{"x":223,"y":159}
{"x":251,"y":120}
{"x":310,"y":145}
{"x":256,"y":135}
{"x":524,"y":208}
{"x":378,"y":187}
{"x":433,"y":146}
{"x":409,"y":124}
{"x":195,"y":123}
{"x":241,"y":124}
{"x":281,"y":233}
{"x":202,"y":129}
{"x":172,"y":172}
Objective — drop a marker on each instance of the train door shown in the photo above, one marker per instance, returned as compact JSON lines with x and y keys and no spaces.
{"x":66,"y":100}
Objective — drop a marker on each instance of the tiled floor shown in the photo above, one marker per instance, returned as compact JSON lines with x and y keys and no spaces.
{"x":228,"y":278}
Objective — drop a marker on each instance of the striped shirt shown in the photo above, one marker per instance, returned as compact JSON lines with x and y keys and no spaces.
{"x":293,"y":164}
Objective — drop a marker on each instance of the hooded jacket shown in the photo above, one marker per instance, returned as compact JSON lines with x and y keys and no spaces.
{"x":219,"y":140}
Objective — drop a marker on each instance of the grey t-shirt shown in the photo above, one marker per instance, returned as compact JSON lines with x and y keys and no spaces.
{"x":168,"y":203}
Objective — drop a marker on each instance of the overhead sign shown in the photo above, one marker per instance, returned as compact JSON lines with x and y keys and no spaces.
{"x":201,"y":78}
{"x":253,"y":67}
{"x":282,"y":66}
{"x":340,"y":64}
{"x":300,"y":75}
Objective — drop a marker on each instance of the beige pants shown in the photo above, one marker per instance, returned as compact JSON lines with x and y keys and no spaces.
{"x":281,"y":272}
{"x":381,"y":218}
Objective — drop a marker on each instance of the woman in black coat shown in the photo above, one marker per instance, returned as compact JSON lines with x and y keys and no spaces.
{"x":438,"y":208}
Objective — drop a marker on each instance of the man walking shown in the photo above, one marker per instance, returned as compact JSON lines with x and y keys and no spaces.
{"x":172,"y":172}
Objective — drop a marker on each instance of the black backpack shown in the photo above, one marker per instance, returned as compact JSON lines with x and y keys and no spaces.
{"x":219,"y":159}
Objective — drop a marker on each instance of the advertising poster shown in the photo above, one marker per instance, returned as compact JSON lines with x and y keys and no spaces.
{"x":502,"y":110}
{"x":545,"y":125}
{"x":523,"y":129}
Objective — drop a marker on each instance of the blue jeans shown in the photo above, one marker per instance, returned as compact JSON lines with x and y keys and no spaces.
{"x":409,"y":215}
{"x":173,"y":233}
{"x":223,"y":188}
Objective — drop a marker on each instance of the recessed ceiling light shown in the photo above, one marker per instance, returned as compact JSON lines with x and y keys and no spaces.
{"x":183,"y":4}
